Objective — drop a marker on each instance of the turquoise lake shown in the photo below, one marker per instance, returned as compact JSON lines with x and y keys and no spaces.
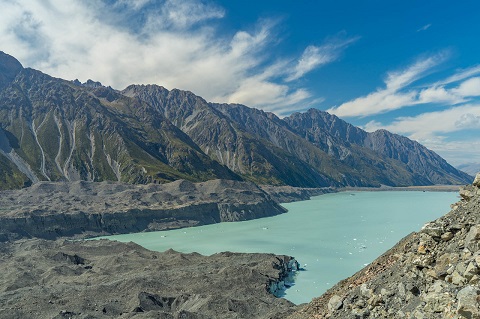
{"x":332,"y":236}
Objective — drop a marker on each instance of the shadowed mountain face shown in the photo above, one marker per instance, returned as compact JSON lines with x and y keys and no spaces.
{"x":52,"y":129}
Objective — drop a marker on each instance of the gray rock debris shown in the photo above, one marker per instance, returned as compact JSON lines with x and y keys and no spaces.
{"x":434,"y":273}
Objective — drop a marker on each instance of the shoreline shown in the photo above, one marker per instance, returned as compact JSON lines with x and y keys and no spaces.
{"x":317,"y":192}
{"x":86,"y":209}
{"x":289,"y":194}
{"x":428,"y":188}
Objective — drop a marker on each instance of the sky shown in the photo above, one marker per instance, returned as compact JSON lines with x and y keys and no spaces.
{"x":411,"y":67}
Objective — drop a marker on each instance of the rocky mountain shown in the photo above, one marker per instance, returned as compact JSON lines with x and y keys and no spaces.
{"x":433,"y":273}
{"x":395,"y":154}
{"x":343,"y":154}
{"x":54,"y":130}
{"x":244,"y":152}
{"x":354,"y":167}
{"x":470,"y":168}
{"x":57,"y":130}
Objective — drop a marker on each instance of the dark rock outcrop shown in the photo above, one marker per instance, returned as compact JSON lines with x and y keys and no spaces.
{"x":434,"y":273}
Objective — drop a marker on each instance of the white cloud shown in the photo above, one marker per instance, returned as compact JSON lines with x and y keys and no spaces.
{"x":434,"y":130}
{"x":399,"y":79}
{"x":315,"y":56}
{"x":470,"y":87}
{"x":390,"y":98}
{"x":437,"y":94}
{"x":468,"y":121}
{"x":429,"y":124}
{"x":398,"y":92}
{"x":171,"y":43}
{"x":460,"y":75}
{"x":425,"y":27}
{"x":455,"y":152}
{"x":182,"y":14}
{"x":133,"y":4}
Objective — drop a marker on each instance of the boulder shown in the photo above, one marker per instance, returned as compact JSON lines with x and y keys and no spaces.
{"x":472,"y":239}
{"x":468,"y":306}
{"x":476,"y":181}
{"x":447,"y":236}
{"x":432,"y":229}
{"x":335,"y":303}
{"x":472,"y":270}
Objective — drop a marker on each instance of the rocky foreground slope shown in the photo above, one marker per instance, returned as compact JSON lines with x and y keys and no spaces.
{"x":51,"y":210}
{"x":102,"y":279}
{"x":434,"y":273}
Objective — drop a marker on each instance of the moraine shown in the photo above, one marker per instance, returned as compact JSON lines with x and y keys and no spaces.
{"x":332,"y":235}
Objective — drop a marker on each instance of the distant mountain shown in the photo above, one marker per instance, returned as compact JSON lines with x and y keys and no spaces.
{"x":420,"y":165}
{"x":53,"y":129}
{"x":470,"y":168}
{"x":352,"y":165}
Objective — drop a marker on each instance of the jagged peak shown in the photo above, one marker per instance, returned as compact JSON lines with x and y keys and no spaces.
{"x":9,"y":68}
{"x":134,"y":87}
{"x":8,"y":60}
{"x":92,"y":84}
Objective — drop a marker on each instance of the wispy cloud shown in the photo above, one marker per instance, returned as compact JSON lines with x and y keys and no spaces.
{"x":428,"y":124}
{"x":425,"y":27}
{"x":460,"y":75}
{"x":456,"y":152}
{"x":399,"y":93}
{"x":133,"y":4}
{"x":316,"y":56}
{"x":174,"y":43}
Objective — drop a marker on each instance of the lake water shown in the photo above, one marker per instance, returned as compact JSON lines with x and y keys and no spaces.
{"x":332,"y":236}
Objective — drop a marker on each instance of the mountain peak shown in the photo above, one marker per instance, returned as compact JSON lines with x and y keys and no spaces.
{"x":9,"y":68}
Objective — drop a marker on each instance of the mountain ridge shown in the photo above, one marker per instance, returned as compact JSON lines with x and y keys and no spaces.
{"x":54,"y":129}
{"x":426,"y":165}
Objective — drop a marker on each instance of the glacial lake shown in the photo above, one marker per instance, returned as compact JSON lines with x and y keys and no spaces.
{"x":332,"y":236}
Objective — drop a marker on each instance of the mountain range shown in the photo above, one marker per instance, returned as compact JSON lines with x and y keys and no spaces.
{"x":470,"y":168}
{"x":57,"y":130}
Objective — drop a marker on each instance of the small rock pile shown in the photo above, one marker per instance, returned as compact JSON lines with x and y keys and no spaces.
{"x":434,"y":273}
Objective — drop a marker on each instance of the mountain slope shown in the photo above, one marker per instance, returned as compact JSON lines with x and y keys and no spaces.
{"x":432,"y":273}
{"x":339,"y":137}
{"x":358,"y":166}
{"x":224,"y":140}
{"x":58,"y":130}
{"x":470,"y":168}
{"x":53,"y":130}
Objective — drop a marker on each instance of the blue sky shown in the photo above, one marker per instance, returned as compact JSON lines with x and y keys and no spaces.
{"x":412,"y":67}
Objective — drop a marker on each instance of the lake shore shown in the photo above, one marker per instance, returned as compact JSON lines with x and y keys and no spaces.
{"x":86,"y":209}
{"x":186,"y":188}
{"x":429,"y":188}
{"x":288,"y":194}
